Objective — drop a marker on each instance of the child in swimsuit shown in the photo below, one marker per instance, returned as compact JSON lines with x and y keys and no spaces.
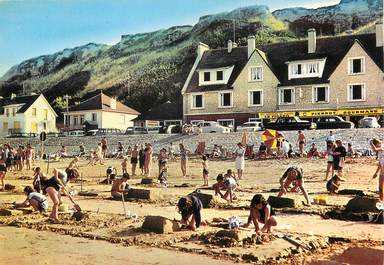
{"x":205,"y":170}
{"x":261,"y":212}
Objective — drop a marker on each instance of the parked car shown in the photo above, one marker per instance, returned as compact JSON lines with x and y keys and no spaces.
{"x":136,"y":130}
{"x":290,"y":123}
{"x":170,"y":129}
{"x":369,"y":122}
{"x":251,"y":126}
{"x":333,"y":122}
{"x":212,"y":127}
{"x":108,"y":131}
{"x":153,"y":130}
{"x":22,"y":135}
{"x":52,"y":134}
{"x":91,"y":132}
{"x":75,"y":133}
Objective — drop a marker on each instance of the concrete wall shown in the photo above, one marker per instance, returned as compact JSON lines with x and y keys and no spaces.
{"x":357,"y":136}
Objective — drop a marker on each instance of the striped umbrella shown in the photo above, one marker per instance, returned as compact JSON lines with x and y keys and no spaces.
{"x":269,"y":137}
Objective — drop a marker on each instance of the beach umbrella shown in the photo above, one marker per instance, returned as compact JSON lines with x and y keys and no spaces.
{"x":269,"y":137}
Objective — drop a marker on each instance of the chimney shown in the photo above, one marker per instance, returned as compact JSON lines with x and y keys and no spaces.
{"x":13,"y":95}
{"x":311,"y":40}
{"x":379,"y":34}
{"x":251,"y":45}
{"x":230,"y":46}
{"x":113,"y":103}
{"x":201,"y":48}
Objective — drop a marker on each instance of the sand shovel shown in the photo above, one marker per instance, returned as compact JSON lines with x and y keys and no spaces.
{"x":123,"y":201}
{"x":292,"y":241}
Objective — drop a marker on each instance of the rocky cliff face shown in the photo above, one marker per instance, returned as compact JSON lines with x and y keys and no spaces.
{"x":348,"y":14}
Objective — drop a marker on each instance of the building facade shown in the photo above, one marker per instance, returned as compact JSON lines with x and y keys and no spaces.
{"x":312,"y":78}
{"x":103,"y":111}
{"x":26,"y":114}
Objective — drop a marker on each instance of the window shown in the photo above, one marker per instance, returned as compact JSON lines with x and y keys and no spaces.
{"x":207,"y":76}
{"x":356,"y":92}
{"x":197,"y":101}
{"x":34,"y":127}
{"x":256,"y":73}
{"x":320,"y":94}
{"x":219,"y":76}
{"x":45,"y":114}
{"x":44,"y":126}
{"x":255,"y":98}
{"x":75,"y":120}
{"x":313,"y":68}
{"x":286,"y":96}
{"x":5,"y":126}
{"x":7,"y":112}
{"x":13,"y":111}
{"x":225,"y":99}
{"x":81,"y":119}
{"x":16,"y":125}
{"x":34,"y":111}
{"x":196,"y":122}
{"x":297,"y":69}
{"x":356,"y":66}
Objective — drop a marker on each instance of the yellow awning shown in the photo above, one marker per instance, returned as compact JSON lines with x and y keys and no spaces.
{"x":274,"y":115}
{"x":318,"y":113}
{"x":358,"y":112}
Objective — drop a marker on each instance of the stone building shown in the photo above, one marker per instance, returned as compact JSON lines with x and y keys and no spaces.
{"x":311,"y":78}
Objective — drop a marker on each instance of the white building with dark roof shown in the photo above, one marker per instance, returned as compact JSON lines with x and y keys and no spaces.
{"x":104,"y":111}
{"x":26,"y":114}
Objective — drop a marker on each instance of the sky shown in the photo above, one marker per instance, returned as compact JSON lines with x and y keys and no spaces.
{"x":29,"y":28}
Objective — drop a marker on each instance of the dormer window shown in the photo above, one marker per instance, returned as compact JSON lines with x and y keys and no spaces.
{"x":356,"y":66}
{"x":215,"y":76}
{"x":305,"y":69}
{"x":219,"y":75}
{"x":207,"y":76}
{"x":297,"y":69}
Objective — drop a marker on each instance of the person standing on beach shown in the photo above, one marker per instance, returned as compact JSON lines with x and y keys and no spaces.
{"x":301,"y":140}
{"x":148,"y":160}
{"x":240,"y":160}
{"x":183,"y":159}
{"x":134,"y":159}
{"x":104,"y":146}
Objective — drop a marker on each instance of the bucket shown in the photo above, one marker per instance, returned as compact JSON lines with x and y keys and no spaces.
{"x":64,"y":208}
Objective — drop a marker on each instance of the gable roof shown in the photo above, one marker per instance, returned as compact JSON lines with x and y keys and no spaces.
{"x":102,"y":102}
{"x":165,"y":111}
{"x":276,"y":55}
{"x":219,"y":58}
{"x":26,"y":102}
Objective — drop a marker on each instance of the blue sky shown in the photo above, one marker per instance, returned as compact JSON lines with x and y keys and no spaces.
{"x":29,"y":28}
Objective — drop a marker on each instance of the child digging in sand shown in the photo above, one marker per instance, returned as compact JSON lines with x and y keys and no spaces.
{"x":377,"y":147}
{"x":34,"y":199}
{"x":205,"y":170}
{"x":333,"y":184}
{"x":190,"y":209}
{"x":261,"y":212}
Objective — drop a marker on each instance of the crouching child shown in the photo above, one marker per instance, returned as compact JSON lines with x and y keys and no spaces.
{"x":120,"y":186}
{"x":34,"y":199}
{"x":190,"y":209}
{"x":261,"y":213}
{"x":228,"y":184}
{"x":333,"y":184}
